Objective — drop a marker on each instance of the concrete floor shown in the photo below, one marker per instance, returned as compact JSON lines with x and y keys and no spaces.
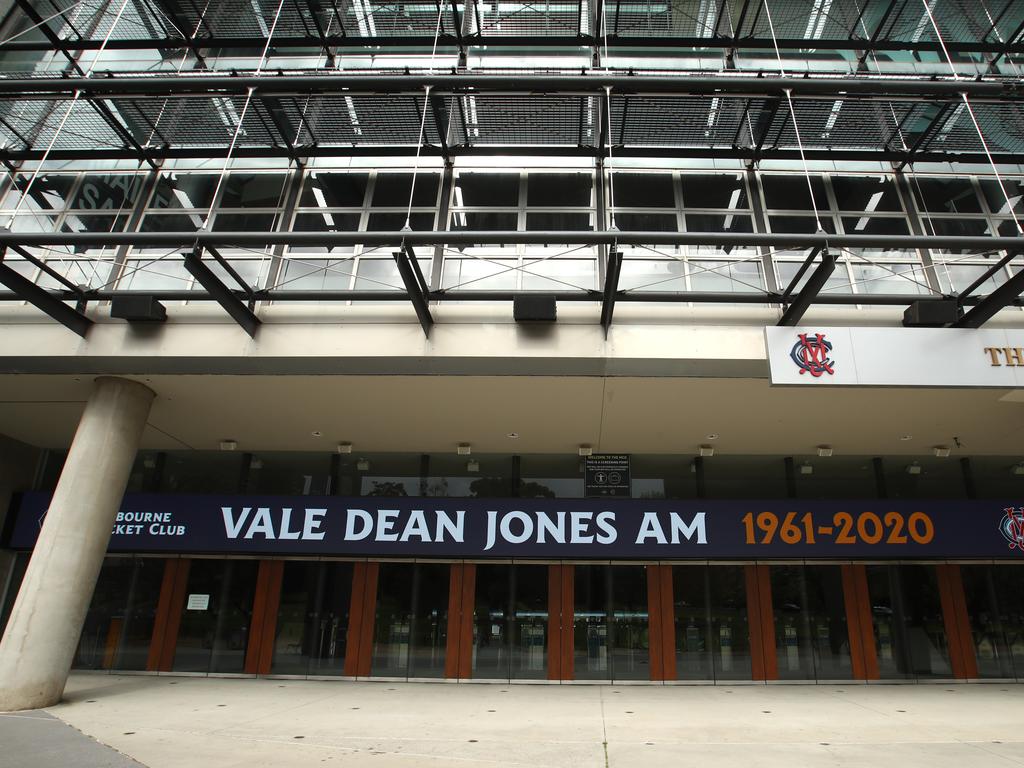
{"x":180,"y":721}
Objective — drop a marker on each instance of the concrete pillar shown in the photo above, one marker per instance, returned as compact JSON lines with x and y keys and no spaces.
{"x":41,"y":637}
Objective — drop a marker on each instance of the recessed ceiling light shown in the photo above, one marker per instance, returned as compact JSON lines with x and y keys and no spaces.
{"x":317,"y":433}
{"x":228,"y":445}
{"x":906,"y":437}
{"x":713,"y":436}
{"x":825,"y":450}
{"x":513,"y":435}
{"x":941,"y":451}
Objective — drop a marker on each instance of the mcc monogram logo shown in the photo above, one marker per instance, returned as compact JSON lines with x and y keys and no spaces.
{"x":811,"y":354}
{"x":1012,"y":527}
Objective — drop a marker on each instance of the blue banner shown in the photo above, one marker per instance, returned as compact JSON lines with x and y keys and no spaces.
{"x":601,"y":529}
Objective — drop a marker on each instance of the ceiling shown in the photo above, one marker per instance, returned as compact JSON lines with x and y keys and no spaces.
{"x":549,"y":414}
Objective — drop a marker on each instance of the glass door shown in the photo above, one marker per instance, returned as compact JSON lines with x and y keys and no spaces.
{"x":312,"y":619}
{"x":214,"y":631}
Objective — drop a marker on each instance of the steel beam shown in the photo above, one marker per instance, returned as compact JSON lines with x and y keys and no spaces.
{"x":25,"y":290}
{"x":795,"y":311}
{"x":204,"y":239}
{"x":986,"y":275}
{"x":611,"y":288}
{"x":1002,"y":297}
{"x":445,"y":39}
{"x":219,"y":84}
{"x":415,"y":286}
{"x":641,"y":297}
{"x":751,"y":154}
{"x":220,"y":293}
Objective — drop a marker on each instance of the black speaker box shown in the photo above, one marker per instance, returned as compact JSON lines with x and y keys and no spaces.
{"x":930,"y":314}
{"x":138,"y":309}
{"x":534,"y":309}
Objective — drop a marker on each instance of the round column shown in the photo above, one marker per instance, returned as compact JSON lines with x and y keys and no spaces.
{"x":42,"y":634}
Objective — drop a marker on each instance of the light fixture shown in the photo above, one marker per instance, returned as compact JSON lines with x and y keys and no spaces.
{"x":941,"y":451}
{"x":317,"y":433}
{"x":904,"y":438}
{"x":713,"y":436}
{"x":512,"y":435}
{"x":363,"y":465}
{"x":913,"y":468}
{"x":228,"y":445}
{"x":807,"y":468}
{"x":824,"y":451}
{"x":472,"y":466}
{"x":1018,"y":469}
{"x":585,"y":449}
{"x":464,"y":449}
{"x":706,"y":450}
{"x":344,"y":448}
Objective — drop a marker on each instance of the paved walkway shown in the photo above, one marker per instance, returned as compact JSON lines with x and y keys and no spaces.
{"x":36,"y":739}
{"x":180,"y":722}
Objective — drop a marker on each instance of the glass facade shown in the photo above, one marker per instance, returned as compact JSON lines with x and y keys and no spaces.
{"x":910,"y":633}
{"x":995,"y":605}
{"x":411,"y":624}
{"x":611,"y":626}
{"x":811,"y":638}
{"x":711,"y":620}
{"x":313,"y":619}
{"x":215,"y":620}
{"x":510,"y":622}
{"x":118,"y":627}
{"x":610,"y":630}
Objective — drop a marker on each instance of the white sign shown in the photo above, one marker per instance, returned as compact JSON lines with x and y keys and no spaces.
{"x":198,"y":602}
{"x":896,"y":357}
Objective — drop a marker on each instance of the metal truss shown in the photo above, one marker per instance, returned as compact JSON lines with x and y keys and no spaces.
{"x":870,"y":25}
{"x":899,"y":120}
{"x":417,"y":291}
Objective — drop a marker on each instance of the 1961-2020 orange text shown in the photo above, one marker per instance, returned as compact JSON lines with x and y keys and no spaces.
{"x":844,"y":528}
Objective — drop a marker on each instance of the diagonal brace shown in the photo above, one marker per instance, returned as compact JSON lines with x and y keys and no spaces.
{"x":223,"y":295}
{"x":795,"y":311}
{"x":44,"y":300}
{"x":1000,"y":298}
{"x":611,"y":287}
{"x":416,"y":286}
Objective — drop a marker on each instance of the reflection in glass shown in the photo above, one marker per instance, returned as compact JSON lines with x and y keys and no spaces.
{"x":995,"y":605}
{"x":630,"y":637}
{"x":730,"y":631}
{"x":610,"y":629}
{"x":312,"y":620}
{"x":692,"y":623}
{"x":910,"y":636}
{"x":811,"y":637}
{"x":792,"y":624}
{"x":214,"y":633}
{"x":119,"y":624}
{"x":410,"y":630}
{"x":510,"y":622}
{"x":590,"y":622}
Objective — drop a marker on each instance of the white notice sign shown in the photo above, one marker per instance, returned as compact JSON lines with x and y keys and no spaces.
{"x":896,"y":357}
{"x":198,"y":602}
